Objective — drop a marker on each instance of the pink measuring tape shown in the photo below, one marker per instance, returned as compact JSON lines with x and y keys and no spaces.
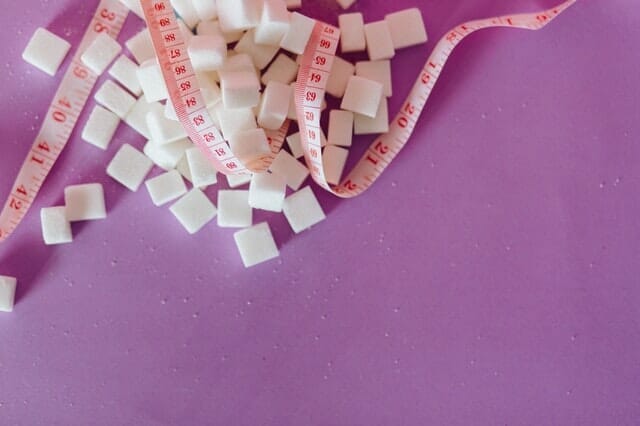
{"x":61,"y":118}
{"x":192,"y":112}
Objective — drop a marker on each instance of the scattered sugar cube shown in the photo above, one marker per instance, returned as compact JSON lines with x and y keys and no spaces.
{"x":267,"y":192}
{"x":274,"y":23}
{"x":340,"y":127}
{"x":295,"y":145}
{"x":303,"y":210}
{"x":283,"y":69}
{"x":213,"y":28}
{"x":240,"y":89}
{"x":203,"y":173}
{"x":239,"y":62}
{"x":7,"y":293}
{"x":379,"y":71}
{"x":362,"y":96}
{"x":256,"y":244}
{"x":137,"y":117}
{"x":115,"y":98}
{"x":100,"y":53}
{"x":166,"y":187}
{"x":274,"y":106}
{"x":207,"y":10}
{"x":234,"y":210}
{"x":84,"y":202}
{"x":207,"y":53}
{"x":406,"y":28}
{"x":339,"y":77}
{"x":163,"y":130}
{"x":346,"y":4}
{"x":46,"y":51}
{"x":233,"y":121}
{"x":100,"y":127}
{"x":209,"y":88}
{"x":250,"y":145}
{"x":56,"y":229}
{"x":293,"y":113}
{"x":261,"y":54}
{"x":352,"y":37}
{"x":235,"y":15}
{"x":134,"y":6}
{"x":363,"y":125}
{"x":334,"y":159}
{"x":187,"y":12}
{"x":236,"y":181}
{"x":124,"y":71}
{"x":379,"y":42}
{"x":297,"y":37}
{"x":152,"y":81}
{"x":141,"y":46}
{"x":129,"y":167}
{"x":167,"y":156}
{"x":293,"y":171}
{"x":186,"y":32}
{"x":194,"y":210}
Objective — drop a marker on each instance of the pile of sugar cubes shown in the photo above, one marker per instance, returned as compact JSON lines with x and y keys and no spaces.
{"x":246,"y":55}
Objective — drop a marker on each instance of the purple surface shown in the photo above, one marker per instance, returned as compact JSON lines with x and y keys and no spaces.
{"x":490,"y":277}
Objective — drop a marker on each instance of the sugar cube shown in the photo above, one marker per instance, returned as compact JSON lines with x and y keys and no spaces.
{"x":334,"y":159}
{"x":46,"y":51}
{"x":256,"y":244}
{"x":84,"y":202}
{"x":56,"y":229}
{"x":100,"y":127}
{"x":250,"y":145}
{"x":129,"y":167}
{"x":297,"y":37}
{"x":166,"y":187}
{"x":363,"y":125}
{"x":362,"y":96}
{"x":237,"y":15}
{"x":282,"y":69}
{"x":274,"y":23}
{"x":115,"y":98}
{"x":267,"y":191}
{"x":406,"y":28}
{"x":194,"y":210}
{"x":274,"y":106}
{"x":340,"y":127}
{"x":137,"y":117}
{"x":292,"y":170}
{"x":240,"y":89}
{"x":236,"y":181}
{"x":352,"y":38}
{"x":124,"y":71}
{"x":152,"y":81}
{"x":379,"y":71}
{"x":100,"y":53}
{"x":341,"y":71}
{"x":234,"y":210}
{"x":207,"y":53}
{"x":379,"y":42}
{"x":163,"y":130}
{"x":187,"y":12}
{"x":167,"y":156}
{"x":7,"y":293}
{"x":207,"y":10}
{"x":141,"y":46}
{"x":295,"y":145}
{"x":261,"y":54}
{"x":203,"y":173}
{"x":233,"y":121}
{"x":303,"y":210}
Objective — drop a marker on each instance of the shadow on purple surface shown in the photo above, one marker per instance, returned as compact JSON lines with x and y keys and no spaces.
{"x":27,"y":259}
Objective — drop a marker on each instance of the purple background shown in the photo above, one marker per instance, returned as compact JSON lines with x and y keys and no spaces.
{"x":490,"y":277}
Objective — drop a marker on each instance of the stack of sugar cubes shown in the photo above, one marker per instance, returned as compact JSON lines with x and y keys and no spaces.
{"x":246,"y":55}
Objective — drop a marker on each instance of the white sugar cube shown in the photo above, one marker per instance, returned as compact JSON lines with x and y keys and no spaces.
{"x":213,"y":28}
{"x":170,"y":112}
{"x":236,"y":181}
{"x":406,"y":28}
{"x":292,"y":170}
{"x":209,"y":88}
{"x":166,"y":187}
{"x":239,"y":62}
{"x":129,"y":167}
{"x":256,"y":244}
{"x":187,"y":12}
{"x":362,"y":96}
{"x":141,"y":46}
{"x":352,"y":37}
{"x":85,"y":202}
{"x":46,"y":51}
{"x":7,"y":293}
{"x":185,"y":30}
{"x":115,"y":98}
{"x":234,"y":210}
{"x":100,"y":53}
{"x":334,"y":159}
{"x":137,"y":117}
{"x":235,"y":120}
{"x":297,"y":37}
{"x":134,"y":6}
{"x":340,"y":127}
{"x":274,"y":23}
{"x":341,"y":71}
{"x":250,"y":145}
{"x":346,"y":4}
{"x":379,"y":42}
{"x":203,"y":173}
{"x":295,"y":145}
{"x":283,"y":69}
{"x":194,"y":210}
{"x":267,"y":192}
{"x":274,"y":106}
{"x":124,"y":71}
{"x":261,"y":54}
{"x":363,"y":125}
{"x":293,"y":113}
{"x":207,"y":53}
{"x":206,"y":9}
{"x":100,"y":127}
{"x":163,"y":130}
{"x":379,"y":71}
{"x":240,"y":89}
{"x":237,"y":15}
{"x":167,"y":156}
{"x":303,"y":210}
{"x":56,"y":229}
{"x":152,"y":81}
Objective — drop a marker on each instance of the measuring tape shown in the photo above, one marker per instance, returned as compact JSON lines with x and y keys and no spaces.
{"x":61,"y":118}
{"x":312,"y":81}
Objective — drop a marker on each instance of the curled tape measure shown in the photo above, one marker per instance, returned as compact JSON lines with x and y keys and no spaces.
{"x":61,"y":118}
{"x":192,"y":112}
